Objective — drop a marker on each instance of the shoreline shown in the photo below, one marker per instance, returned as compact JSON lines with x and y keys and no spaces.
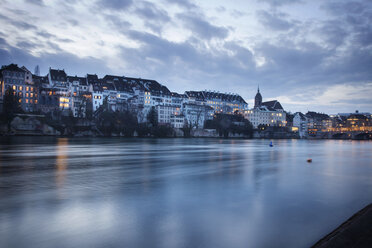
{"x":173,"y":137}
{"x":354,"y":232}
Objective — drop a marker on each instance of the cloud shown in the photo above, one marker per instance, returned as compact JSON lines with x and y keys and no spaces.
{"x":154,"y":17}
{"x":36,"y":2}
{"x":18,"y":24}
{"x":116,"y":5}
{"x":183,"y":3}
{"x":343,"y":7}
{"x":202,"y":28}
{"x":334,"y":32}
{"x":188,"y":46}
{"x":274,"y":20}
{"x":277,"y":3}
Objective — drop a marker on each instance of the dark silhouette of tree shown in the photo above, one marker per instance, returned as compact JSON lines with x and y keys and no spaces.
{"x":11,"y":106}
{"x":152,"y":117}
{"x":225,"y":124}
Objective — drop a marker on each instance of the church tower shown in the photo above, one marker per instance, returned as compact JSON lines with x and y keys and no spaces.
{"x":258,"y":99}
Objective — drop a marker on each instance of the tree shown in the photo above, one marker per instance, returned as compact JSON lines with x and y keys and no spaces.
{"x":152,"y":117}
{"x":11,"y":106}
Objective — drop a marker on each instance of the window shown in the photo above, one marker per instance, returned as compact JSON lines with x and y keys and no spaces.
{"x":26,"y":100}
{"x":14,"y":87}
{"x":20,"y":87}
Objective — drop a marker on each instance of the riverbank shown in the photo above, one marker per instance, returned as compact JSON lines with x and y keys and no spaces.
{"x":355,"y":232}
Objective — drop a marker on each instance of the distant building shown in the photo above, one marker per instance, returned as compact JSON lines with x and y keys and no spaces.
{"x":13,"y":77}
{"x":317,"y":122}
{"x":225,"y":103}
{"x":300,"y":124}
{"x":197,"y":114}
{"x":269,"y":113}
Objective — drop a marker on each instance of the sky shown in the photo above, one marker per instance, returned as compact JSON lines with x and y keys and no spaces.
{"x":310,"y":55}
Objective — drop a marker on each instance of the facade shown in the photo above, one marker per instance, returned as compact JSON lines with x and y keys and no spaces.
{"x":269,"y":113}
{"x":13,"y":77}
{"x":300,"y":124}
{"x":177,"y":121}
{"x":265,"y":116}
{"x":74,"y":94}
{"x":197,"y":114}
{"x":317,"y":122}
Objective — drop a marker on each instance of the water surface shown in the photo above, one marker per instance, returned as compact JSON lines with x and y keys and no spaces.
{"x":60,"y":192}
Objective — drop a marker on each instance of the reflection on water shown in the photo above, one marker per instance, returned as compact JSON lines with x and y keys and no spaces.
{"x":59,"y":192}
{"x":61,"y":161}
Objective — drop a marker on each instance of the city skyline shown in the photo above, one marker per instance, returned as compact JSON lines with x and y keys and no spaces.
{"x":308,"y":55}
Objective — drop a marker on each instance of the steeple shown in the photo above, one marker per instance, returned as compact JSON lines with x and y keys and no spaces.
{"x":258,"y":98}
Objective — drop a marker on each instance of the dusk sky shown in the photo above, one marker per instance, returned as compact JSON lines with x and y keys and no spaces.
{"x":310,"y":55}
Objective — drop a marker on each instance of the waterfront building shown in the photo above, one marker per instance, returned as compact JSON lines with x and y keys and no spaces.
{"x":81,"y":95}
{"x":197,"y":114}
{"x":269,"y":113}
{"x":317,"y":122}
{"x":300,"y":124}
{"x":177,"y":121}
{"x":225,"y":103}
{"x":266,"y":116}
{"x":166,"y":112}
{"x":195,"y":97}
{"x":59,"y":87}
{"x":357,"y":120}
{"x":147,"y":94}
{"x":96,"y":89}
{"x":13,"y":77}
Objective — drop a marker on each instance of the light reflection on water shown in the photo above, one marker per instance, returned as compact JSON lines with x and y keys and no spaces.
{"x":59,"y":192}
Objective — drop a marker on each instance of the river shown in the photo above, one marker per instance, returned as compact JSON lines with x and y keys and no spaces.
{"x":100,"y":192}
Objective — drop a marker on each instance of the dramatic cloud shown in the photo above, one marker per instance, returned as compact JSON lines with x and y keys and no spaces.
{"x":202,"y":28}
{"x":274,"y":21}
{"x":114,"y":4}
{"x":310,"y":55}
{"x":280,"y":2}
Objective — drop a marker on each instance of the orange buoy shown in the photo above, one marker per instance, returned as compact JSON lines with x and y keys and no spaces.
{"x":309,"y":160}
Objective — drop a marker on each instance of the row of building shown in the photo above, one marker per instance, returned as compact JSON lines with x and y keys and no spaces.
{"x":78,"y":95}
{"x":81,"y":95}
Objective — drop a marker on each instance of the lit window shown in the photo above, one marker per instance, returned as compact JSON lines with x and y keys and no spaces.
{"x":27,"y":88}
{"x":20,"y":87}
{"x":14,"y":87}
{"x":26,"y":100}
{"x":20,"y":100}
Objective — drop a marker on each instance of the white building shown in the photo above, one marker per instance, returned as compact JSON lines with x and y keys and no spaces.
{"x":269,"y":113}
{"x":165,"y":112}
{"x":300,"y":124}
{"x":225,"y":102}
{"x":197,"y":114}
{"x":177,"y":121}
{"x":265,"y":116}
